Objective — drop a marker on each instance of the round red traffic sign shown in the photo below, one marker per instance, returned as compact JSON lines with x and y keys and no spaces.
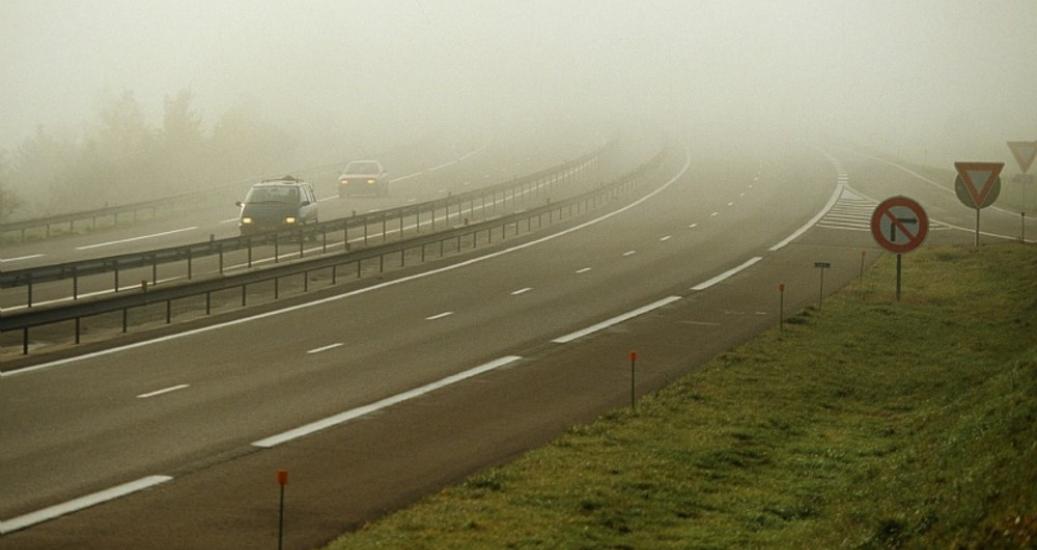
{"x":899,"y":224}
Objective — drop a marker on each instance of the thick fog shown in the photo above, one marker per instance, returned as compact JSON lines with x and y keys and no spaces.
{"x":929,"y":80}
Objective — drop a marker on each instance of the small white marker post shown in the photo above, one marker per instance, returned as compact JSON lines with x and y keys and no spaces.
{"x":822,"y":266}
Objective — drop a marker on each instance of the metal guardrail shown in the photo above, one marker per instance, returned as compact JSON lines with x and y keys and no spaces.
{"x":133,"y":209}
{"x":28,"y":277}
{"x":332,"y":262}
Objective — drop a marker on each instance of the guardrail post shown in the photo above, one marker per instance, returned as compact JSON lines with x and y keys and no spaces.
{"x":401,"y":224}
{"x":115,"y":270}
{"x":359,"y":267}
{"x":345,"y":235}
{"x":125,"y":318}
{"x":489,"y":236}
{"x":169,"y":311}
{"x":208,"y":302}
{"x":154,"y":269}
{"x":417,"y":219}
{"x":249,"y":243}
{"x":324,"y":241}
{"x":305,"y":281}
{"x":277,"y":289}
{"x":221,"y":257}
{"x":25,"y":340}
{"x":365,"y":231}
{"x":189,"y":263}
{"x":440,"y":248}
{"x":422,"y":252}
{"x":403,"y":257}
{"x":381,"y":263}
{"x":77,"y":330}
{"x":384,"y":231}
{"x":302,"y":246}
{"x":75,"y":283}
{"x":433,"y":215}
{"x":334,"y":273}
{"x":475,"y":239}
{"x":244,"y":294}
{"x":277,"y":249}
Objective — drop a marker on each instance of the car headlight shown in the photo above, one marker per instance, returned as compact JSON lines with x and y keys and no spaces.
{"x":246,"y":220}
{"x":289,"y":219}
{"x":370,"y":181}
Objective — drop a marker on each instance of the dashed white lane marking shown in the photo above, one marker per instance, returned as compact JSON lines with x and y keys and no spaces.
{"x":140,"y":238}
{"x":407,"y":177}
{"x":324,"y":348}
{"x":439,"y":316}
{"x":375,"y":287}
{"x":521,"y":291}
{"x":730,"y":272}
{"x":583,"y":270}
{"x":750,"y":186}
{"x":615,"y":320}
{"x":693,"y":226}
{"x":629,"y":253}
{"x":665,"y":238}
{"x":163,"y":390}
{"x":731,"y":203}
{"x":741,"y":195}
{"x":19,"y":258}
{"x":358,"y":412}
{"x":441,"y":166}
{"x":411,"y":200}
{"x":58,"y":510}
{"x":229,"y":220}
{"x":331,"y":198}
{"x":714,"y":214}
{"x":374,"y":210}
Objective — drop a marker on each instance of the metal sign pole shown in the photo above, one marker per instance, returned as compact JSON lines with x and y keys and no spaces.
{"x":898,"y":277}
{"x":977,"y":228}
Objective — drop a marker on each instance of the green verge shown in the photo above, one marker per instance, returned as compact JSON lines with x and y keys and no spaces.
{"x":868,"y":424}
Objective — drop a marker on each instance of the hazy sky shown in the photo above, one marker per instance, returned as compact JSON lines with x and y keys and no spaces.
{"x":905,"y":74}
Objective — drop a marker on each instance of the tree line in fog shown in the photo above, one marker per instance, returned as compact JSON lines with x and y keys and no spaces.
{"x":121,"y":158}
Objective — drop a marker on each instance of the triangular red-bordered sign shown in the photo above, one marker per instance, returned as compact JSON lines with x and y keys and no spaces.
{"x":1024,"y":153}
{"x":979,"y":177}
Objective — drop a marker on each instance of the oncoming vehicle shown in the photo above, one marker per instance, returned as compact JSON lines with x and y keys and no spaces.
{"x":364,"y":177}
{"x":277,"y":204}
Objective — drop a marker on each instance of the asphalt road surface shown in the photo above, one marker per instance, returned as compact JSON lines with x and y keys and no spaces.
{"x":374,"y":395}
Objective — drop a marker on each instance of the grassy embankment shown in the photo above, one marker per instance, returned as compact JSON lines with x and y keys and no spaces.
{"x":871,"y":424}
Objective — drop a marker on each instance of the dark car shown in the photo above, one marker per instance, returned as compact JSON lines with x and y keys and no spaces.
{"x":364,"y":177}
{"x":277,"y":204}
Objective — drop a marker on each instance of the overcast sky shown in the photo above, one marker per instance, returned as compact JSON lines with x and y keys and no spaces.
{"x":904,"y":74}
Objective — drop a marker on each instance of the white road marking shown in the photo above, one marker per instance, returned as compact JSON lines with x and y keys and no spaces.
{"x":19,"y":258}
{"x":693,"y":226}
{"x":750,"y":186}
{"x":741,"y":195}
{"x":410,"y":200}
{"x":665,"y":238}
{"x":229,"y":220}
{"x":374,"y":210}
{"x":140,"y":238}
{"x":629,"y":253}
{"x":348,"y":294}
{"x":521,"y":291}
{"x":615,"y":320}
{"x":58,"y":510}
{"x":731,"y":204}
{"x":407,"y":177}
{"x":325,"y":199}
{"x":706,"y":284}
{"x":441,"y":166}
{"x":702,"y":323}
{"x":162,"y":391}
{"x":714,"y":214}
{"x":439,"y":316}
{"x":365,"y":410}
{"x":817,"y":217}
{"x":583,"y":270}
{"x":324,"y":348}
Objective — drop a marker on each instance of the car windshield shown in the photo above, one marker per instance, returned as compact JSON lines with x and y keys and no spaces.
{"x":363,"y":168}
{"x":273,"y":193}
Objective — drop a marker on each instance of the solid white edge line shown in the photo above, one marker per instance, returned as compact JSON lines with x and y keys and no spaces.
{"x":142,"y":237}
{"x":806,"y":227}
{"x":364,"y":410}
{"x":83,"y":502}
{"x":730,"y":272}
{"x":163,"y":390}
{"x":364,"y":290}
{"x":325,"y":348}
{"x":615,"y":320}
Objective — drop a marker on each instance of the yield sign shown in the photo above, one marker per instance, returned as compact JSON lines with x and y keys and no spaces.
{"x":1024,"y":153}
{"x":979,"y":183}
{"x":899,"y":224}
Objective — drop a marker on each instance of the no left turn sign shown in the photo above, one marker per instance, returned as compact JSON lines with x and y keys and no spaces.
{"x":899,"y":224}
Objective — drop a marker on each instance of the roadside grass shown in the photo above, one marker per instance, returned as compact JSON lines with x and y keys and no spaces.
{"x":868,"y":424}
